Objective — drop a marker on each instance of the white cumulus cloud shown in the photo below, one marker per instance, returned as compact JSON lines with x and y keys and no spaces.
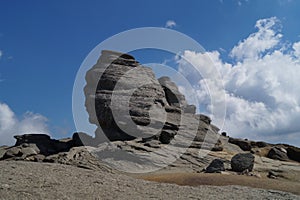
{"x":170,"y":24}
{"x":10,"y":125}
{"x":261,"y":85}
{"x":257,"y":43}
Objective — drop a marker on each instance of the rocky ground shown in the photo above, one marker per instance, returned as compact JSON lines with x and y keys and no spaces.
{"x":29,"y":180}
{"x":76,"y":173}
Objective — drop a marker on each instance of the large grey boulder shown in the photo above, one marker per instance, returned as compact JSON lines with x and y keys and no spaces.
{"x":242,"y":161}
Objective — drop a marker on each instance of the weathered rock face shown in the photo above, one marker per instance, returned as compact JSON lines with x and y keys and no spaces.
{"x":242,"y":161}
{"x":116,"y":77}
{"x":130,"y":106}
{"x":126,"y":101}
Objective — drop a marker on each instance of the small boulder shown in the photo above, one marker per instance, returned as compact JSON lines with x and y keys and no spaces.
{"x":278,"y":153}
{"x":242,"y":161}
{"x":216,"y":166}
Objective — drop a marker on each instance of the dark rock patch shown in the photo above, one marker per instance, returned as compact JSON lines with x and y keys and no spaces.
{"x":243,"y":144}
{"x":216,"y":166}
{"x":293,"y":153}
{"x":242,"y":161}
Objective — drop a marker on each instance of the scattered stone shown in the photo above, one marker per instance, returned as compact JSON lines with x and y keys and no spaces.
{"x":216,"y":166}
{"x":278,"y":153}
{"x":242,"y":161}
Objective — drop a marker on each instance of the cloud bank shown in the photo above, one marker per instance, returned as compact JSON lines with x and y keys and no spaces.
{"x":261,"y":84}
{"x":10,"y":125}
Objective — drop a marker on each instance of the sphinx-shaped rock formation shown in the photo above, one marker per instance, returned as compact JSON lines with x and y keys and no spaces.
{"x":126,"y":101}
{"x":139,"y":114}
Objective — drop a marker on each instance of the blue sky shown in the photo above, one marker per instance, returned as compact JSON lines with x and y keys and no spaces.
{"x":43,"y":44}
